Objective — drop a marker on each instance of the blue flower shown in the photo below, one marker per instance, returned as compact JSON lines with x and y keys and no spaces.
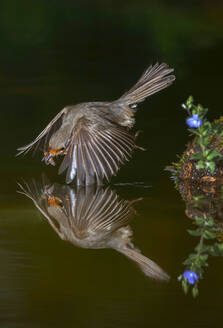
{"x":191,"y":276}
{"x":194,"y":122}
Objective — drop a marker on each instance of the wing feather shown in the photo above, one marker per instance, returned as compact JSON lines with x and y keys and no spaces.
{"x":101,"y":160}
{"x":95,"y":153}
{"x":47,"y":132}
{"x":117,"y":147}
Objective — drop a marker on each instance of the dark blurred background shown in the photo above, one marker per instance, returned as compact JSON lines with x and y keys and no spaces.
{"x":59,"y":52}
{"x":55,"y":53}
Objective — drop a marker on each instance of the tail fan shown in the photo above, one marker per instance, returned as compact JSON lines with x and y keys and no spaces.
{"x":150,"y":268}
{"x":154,"y":79}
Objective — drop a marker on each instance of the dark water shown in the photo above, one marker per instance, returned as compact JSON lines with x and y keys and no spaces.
{"x":54,"y":54}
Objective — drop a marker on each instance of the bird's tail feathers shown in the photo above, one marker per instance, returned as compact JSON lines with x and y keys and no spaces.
{"x":150,"y":268}
{"x":154,"y":79}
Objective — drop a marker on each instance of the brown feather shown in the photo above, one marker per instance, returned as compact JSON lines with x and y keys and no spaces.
{"x":47,"y":132}
{"x":153,"y":80}
{"x":98,"y":153}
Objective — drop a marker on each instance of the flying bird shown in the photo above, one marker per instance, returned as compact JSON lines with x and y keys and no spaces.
{"x":95,"y":137}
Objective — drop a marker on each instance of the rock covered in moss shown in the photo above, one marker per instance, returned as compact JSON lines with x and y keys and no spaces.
{"x":186,"y":167}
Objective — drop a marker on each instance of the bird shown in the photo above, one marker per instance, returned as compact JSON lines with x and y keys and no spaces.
{"x":91,"y":217}
{"x":95,"y":138}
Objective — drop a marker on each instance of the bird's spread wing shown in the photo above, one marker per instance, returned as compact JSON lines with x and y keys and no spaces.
{"x":45,"y":135}
{"x":95,"y":152}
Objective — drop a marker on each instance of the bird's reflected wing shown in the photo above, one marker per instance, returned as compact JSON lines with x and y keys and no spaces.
{"x":45,"y":135}
{"x":82,"y":212}
{"x":96,"y":211}
{"x":35,"y":192}
{"x":95,"y":153}
{"x":90,"y":217}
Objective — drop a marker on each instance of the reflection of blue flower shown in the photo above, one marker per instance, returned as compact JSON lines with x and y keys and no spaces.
{"x":194,"y":122}
{"x":191,"y":276}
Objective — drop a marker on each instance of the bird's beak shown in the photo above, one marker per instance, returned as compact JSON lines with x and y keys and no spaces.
{"x":48,"y":159}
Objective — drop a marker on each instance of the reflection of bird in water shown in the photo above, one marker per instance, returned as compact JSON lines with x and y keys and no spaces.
{"x":91,"y":218}
{"x":94,"y":137}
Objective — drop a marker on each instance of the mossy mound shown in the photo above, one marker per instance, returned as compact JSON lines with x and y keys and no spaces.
{"x":203,"y":200}
{"x":185,"y":168}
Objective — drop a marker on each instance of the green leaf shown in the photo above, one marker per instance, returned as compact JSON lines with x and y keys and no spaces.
{"x":209,"y":222}
{"x":220,"y":248}
{"x":199,"y":221}
{"x":196,"y":198}
{"x":203,"y":141}
{"x":203,"y":257}
{"x":202,"y":247}
{"x":210,"y":166}
{"x":209,"y":235}
{"x":192,"y":256}
{"x":187,"y":262}
{"x":204,"y":111}
{"x":194,"y":131}
{"x":207,"y":152}
{"x":197,"y":156}
{"x":213,"y":250}
{"x":213,"y":154}
{"x":204,"y":132}
{"x":180,"y":277}
{"x":185,"y":286}
{"x":195,"y":291}
{"x":200,"y":165}
{"x":207,"y":125}
{"x":189,"y":102}
{"x":195,"y":233}
{"x":206,"y":141}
